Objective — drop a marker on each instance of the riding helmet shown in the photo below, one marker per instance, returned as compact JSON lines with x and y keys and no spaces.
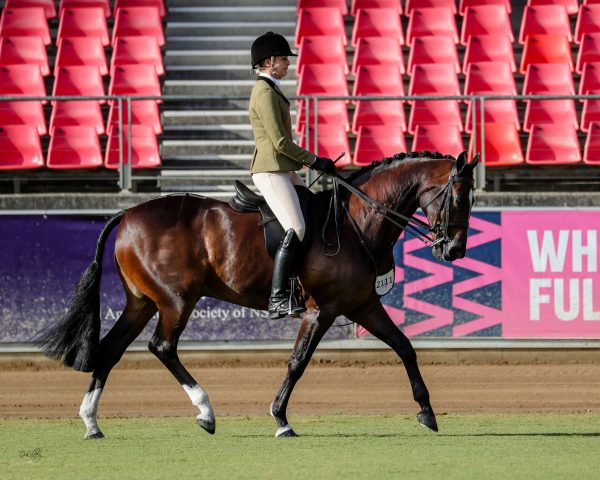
{"x":269,"y":45}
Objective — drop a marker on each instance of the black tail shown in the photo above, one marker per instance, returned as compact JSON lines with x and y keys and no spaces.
{"x":76,"y":337}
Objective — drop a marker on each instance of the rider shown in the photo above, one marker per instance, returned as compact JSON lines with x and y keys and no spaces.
{"x":275,"y":161}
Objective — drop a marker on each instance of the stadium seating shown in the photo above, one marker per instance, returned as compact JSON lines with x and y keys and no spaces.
{"x":134,"y":80}
{"x":325,"y":21}
{"x":331,"y":112}
{"x":20,"y":148}
{"x":77,"y":51}
{"x":417,"y":4}
{"x":369,"y":52}
{"x":434,"y":112}
{"x":486,"y":20}
{"x":74,"y":147}
{"x":378,"y":80}
{"x":341,"y":5}
{"x":25,"y":22}
{"x":360,"y":4}
{"x":545,"y":20}
{"x":432,"y":50}
{"x":22,"y":80}
{"x":159,"y":4}
{"x":426,"y":22}
{"x":591,"y":150}
{"x":83,"y":22}
{"x":378,"y":112}
{"x":332,"y":141}
{"x":143,"y":112}
{"x":572,"y":6}
{"x":588,"y":21}
{"x":589,"y":51}
{"x":376,"y":142}
{"x":548,"y":79}
{"x":494,"y":111}
{"x":434,"y":79}
{"x":590,"y":112}
{"x":374,"y":22}
{"x":590,"y":78}
{"x":103,"y":4}
{"x":78,"y":80}
{"x":489,"y":48}
{"x":553,"y":144}
{"x":546,"y":49}
{"x":144,"y":148}
{"x":491,"y":78}
{"x":502,"y":145}
{"x":445,"y":139}
{"x":550,"y":111}
{"x":23,"y":113}
{"x":321,"y":50}
{"x":139,"y":50}
{"x":47,"y":5}
{"x":134,"y":21}
{"x":322,"y":80}
{"x":24,"y":50}
{"x":85,"y":113}
{"x":464,"y":4}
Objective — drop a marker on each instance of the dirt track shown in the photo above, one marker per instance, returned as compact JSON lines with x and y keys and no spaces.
{"x":40,"y":389}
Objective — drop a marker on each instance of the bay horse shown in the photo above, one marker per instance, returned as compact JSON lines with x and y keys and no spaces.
{"x":172,"y":250}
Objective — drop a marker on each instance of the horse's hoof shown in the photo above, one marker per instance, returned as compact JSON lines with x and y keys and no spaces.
{"x":285,"y":432}
{"x":94,"y":435}
{"x":208,"y":425}
{"x":427,"y":420}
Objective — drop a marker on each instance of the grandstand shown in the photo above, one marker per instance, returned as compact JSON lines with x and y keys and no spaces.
{"x":176,"y":53}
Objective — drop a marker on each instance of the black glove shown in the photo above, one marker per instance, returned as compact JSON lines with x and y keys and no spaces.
{"x":324,"y":164}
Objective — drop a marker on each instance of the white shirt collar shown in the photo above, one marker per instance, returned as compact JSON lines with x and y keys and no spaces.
{"x":276,"y":81}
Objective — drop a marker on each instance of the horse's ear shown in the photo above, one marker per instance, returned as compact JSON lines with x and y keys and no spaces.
{"x":461,"y":161}
{"x":473,"y":163}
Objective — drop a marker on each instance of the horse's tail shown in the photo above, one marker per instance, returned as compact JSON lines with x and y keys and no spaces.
{"x":76,"y":337}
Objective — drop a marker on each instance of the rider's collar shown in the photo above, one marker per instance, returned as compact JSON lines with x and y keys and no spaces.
{"x":276,"y":81}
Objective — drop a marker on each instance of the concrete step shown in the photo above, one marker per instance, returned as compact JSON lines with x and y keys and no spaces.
{"x":207,"y":72}
{"x":208,"y":117}
{"x":177,"y":148}
{"x":211,"y":87}
{"x":213,"y":132}
{"x":209,"y":162}
{"x":210,"y":58}
{"x":246,"y":13}
{"x":223,"y":41}
{"x":252,"y":29}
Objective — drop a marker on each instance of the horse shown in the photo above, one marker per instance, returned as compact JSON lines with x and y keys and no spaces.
{"x":173,"y":250}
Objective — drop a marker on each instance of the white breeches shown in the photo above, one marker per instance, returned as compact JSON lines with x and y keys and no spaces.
{"x":280,"y":195}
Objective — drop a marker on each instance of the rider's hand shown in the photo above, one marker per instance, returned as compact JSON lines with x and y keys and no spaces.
{"x":324,"y":164}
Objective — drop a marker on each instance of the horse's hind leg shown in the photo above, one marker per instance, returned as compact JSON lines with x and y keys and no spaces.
{"x":172,"y":321}
{"x":376,"y":320}
{"x":311,"y":332}
{"x":132,"y":321}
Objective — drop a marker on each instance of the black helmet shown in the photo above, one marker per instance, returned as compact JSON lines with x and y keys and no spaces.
{"x":269,"y":45}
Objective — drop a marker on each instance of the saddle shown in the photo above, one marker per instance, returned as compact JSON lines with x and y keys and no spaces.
{"x":245,"y":200}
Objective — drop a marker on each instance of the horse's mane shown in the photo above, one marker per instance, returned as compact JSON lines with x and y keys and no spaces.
{"x":365,"y":172}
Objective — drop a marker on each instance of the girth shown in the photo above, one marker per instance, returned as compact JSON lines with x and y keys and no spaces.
{"x":245,"y":200}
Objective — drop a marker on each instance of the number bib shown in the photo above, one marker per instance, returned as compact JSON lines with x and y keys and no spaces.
{"x":384,"y":283}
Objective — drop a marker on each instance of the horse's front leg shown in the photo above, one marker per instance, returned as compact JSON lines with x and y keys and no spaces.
{"x":312,"y":329}
{"x":376,"y":320}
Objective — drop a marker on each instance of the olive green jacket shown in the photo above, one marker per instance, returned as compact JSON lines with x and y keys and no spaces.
{"x":275,"y":150}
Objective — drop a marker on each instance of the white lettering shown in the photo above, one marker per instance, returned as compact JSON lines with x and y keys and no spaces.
{"x":536,"y":298}
{"x":588,"y":301}
{"x":559,"y":299}
{"x":548,"y":252}
{"x":590,"y":251}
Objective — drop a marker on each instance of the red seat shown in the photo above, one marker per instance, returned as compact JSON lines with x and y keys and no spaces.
{"x":590,"y":112}
{"x":159,"y":4}
{"x":313,"y":22}
{"x":546,"y":49}
{"x":490,"y":77}
{"x":378,"y":112}
{"x":368,"y":52}
{"x":545,"y":20}
{"x":340,"y":5}
{"x":376,"y":142}
{"x":377,"y":22}
{"x":548,"y":79}
{"x":23,"y":113}
{"x":81,"y":80}
{"x":550,"y":111}
{"x":433,"y":50}
{"x":486,"y":20}
{"x":415,"y":4}
{"x":144,"y":148}
{"x":426,"y":22}
{"x":47,"y":5}
{"x":489,"y":48}
{"x":134,"y":80}
{"x":77,"y":51}
{"x":74,"y":147}
{"x":83,"y":22}
{"x":137,"y":50}
{"x":555,"y":144}
{"x":24,"y":50}
{"x":502,"y":145}
{"x":434,"y":79}
{"x":322,"y":80}
{"x":143,"y":112}
{"x":22,"y":80}
{"x":572,"y":6}
{"x":360,"y":4}
{"x":134,"y":21}
{"x":434,"y":112}
{"x":332,"y":112}
{"x":591,"y":151}
{"x":104,"y":4}
{"x":445,"y":139}
{"x":20,"y":148}
{"x":464,"y":4}
{"x":589,"y":51}
{"x":332,"y":141}
{"x":85,"y":113}
{"x":494,"y":111}
{"x":321,"y":50}
{"x":590,"y":78}
{"x":378,"y":80}
{"x":588,"y":21}
{"x":25,"y":22}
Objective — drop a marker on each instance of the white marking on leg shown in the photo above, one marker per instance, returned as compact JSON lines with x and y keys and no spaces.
{"x":284,"y":429}
{"x":89,"y":409}
{"x":200,"y":398}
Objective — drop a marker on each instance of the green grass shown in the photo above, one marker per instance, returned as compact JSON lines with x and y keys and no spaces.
{"x":540,"y":446}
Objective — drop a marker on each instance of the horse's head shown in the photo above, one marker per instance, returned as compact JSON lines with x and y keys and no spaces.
{"x":447,"y":205}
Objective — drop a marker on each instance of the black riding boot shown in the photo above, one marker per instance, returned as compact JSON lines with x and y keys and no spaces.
{"x":283,"y":299}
